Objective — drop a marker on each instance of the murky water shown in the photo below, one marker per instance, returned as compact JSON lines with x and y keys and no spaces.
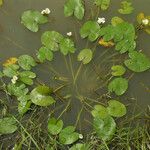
{"x":15,"y":40}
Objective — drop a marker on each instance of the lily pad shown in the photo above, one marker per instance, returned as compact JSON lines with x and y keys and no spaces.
{"x":118,"y":70}
{"x":51,"y":40}
{"x":105,"y":128}
{"x":31,"y":20}
{"x":116,"y":109}
{"x":74,"y":7}
{"x":138,"y":62}
{"x":103,"y":4}
{"x":7,"y":125}
{"x":26,"y":62}
{"x":118,"y":85}
{"x":126,"y":8}
{"x":116,"y":20}
{"x":55,"y":126}
{"x":80,"y":146}
{"x":41,"y":96}
{"x":45,"y":54}
{"x":85,"y":56}
{"x":66,"y":46}
{"x":91,"y":30}
{"x":68,"y":135}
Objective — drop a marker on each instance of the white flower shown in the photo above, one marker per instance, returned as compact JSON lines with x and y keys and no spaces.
{"x":45,"y":11}
{"x":101,"y":20}
{"x":14,"y":79}
{"x":80,"y":136}
{"x":69,"y":33}
{"x":145,"y":21}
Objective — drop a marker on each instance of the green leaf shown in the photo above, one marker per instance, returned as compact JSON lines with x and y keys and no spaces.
{"x":27,"y":76}
{"x":66,"y":46}
{"x":74,"y":7}
{"x":99,"y":111}
{"x":118,"y":70}
{"x":1,"y":74}
{"x":7,"y":125}
{"x":105,"y":128}
{"x":26,"y":62}
{"x":91,"y":30}
{"x":126,"y":8}
{"x":55,"y":126}
{"x":116,"y":109}
{"x":11,"y":70}
{"x":85,"y":56}
{"x":41,"y":96}
{"x":17,"y":90}
{"x":44,"y":54}
{"x":103,"y":4}
{"x":31,"y":19}
{"x":138,"y":62}
{"x":123,"y":35}
{"x":80,"y":146}
{"x":68,"y":135}
{"x":116,"y":20}
{"x":118,"y":85}
{"x":51,"y":40}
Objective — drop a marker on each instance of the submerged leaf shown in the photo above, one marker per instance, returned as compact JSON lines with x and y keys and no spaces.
{"x":103,"y":4}
{"x":55,"y":126}
{"x":41,"y":96}
{"x":118,"y":70}
{"x":126,"y":8}
{"x":74,"y":7}
{"x":85,"y":56}
{"x":138,"y":62}
{"x":31,"y":19}
{"x":7,"y":125}
{"x":118,"y":85}
{"x":105,"y":128}
{"x":116,"y":109}
{"x":91,"y":30}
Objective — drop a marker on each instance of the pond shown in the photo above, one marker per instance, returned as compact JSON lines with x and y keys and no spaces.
{"x":76,"y":87}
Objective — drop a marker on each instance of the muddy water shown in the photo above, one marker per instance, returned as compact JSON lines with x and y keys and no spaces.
{"x":15,"y":40}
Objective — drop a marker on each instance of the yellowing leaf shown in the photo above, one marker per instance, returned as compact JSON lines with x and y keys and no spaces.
{"x":1,"y":2}
{"x":106,"y":44}
{"x":10,"y":61}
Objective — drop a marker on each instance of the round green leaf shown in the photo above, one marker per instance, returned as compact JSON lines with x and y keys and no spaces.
{"x":116,"y":20}
{"x":118,"y":85}
{"x":41,"y":96}
{"x":116,"y":109}
{"x":103,"y":4}
{"x":80,"y":146}
{"x":118,"y":70}
{"x":85,"y":56}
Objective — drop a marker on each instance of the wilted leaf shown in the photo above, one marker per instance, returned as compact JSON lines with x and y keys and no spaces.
{"x":31,"y":20}
{"x":85,"y":56}
{"x":118,"y":70}
{"x":74,"y":7}
{"x":54,"y":126}
{"x":103,"y":4}
{"x":116,"y":109}
{"x":118,"y":85}
{"x":106,"y":44}
{"x":10,"y":61}
{"x":138,"y":62}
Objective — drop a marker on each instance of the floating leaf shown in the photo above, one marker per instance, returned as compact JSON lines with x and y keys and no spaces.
{"x":118,"y":70}
{"x":123,"y":34}
{"x":138,"y":62}
{"x":118,"y":85}
{"x":68,"y":135}
{"x":74,"y":7}
{"x":116,"y":20}
{"x":7,"y":125}
{"x":105,"y":128}
{"x":106,"y":44}
{"x":99,"y":111}
{"x":85,"y":56}
{"x":55,"y":126}
{"x":10,"y":61}
{"x":126,"y":8}
{"x":41,"y":96}
{"x":44,"y":54}
{"x":91,"y":30}
{"x":66,"y":46}
{"x":103,"y":4}
{"x":26,"y":62}
{"x":51,"y":40}
{"x":31,"y":19}
{"x":116,"y":109}
{"x":80,"y":146}
{"x":140,"y":17}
